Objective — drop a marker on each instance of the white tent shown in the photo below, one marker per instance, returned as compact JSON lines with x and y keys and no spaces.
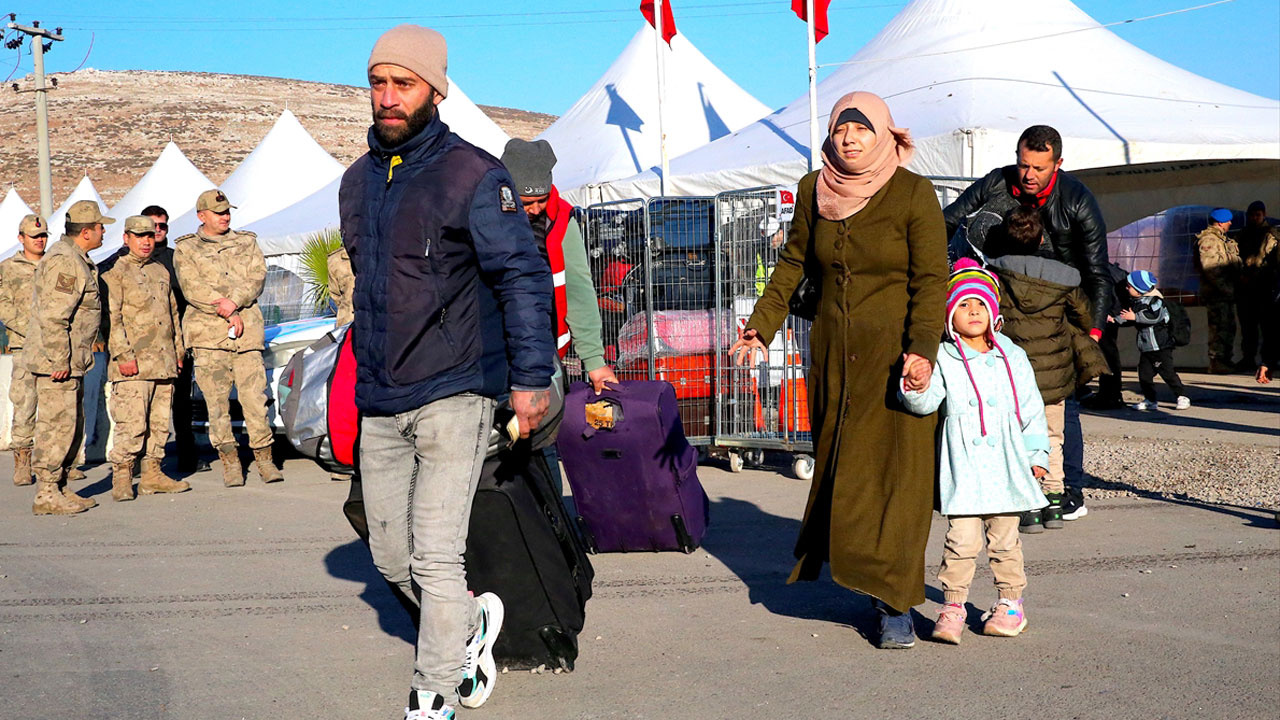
{"x":84,"y":190}
{"x":286,"y":166}
{"x":12,"y":210}
{"x":286,"y":231}
{"x":173,"y":183}
{"x":467,"y":120}
{"x":967,"y":77}
{"x":611,"y":132}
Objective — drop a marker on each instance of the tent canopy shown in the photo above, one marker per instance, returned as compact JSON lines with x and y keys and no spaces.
{"x":12,"y":210}
{"x":612,"y":131}
{"x":968,"y":77}
{"x":84,"y":190}
{"x":467,"y":120}
{"x":287,"y":231}
{"x":287,"y":166}
{"x":173,"y":183}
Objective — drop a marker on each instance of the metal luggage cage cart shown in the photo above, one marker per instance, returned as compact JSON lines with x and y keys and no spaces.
{"x":652,"y":263}
{"x":766,"y":407}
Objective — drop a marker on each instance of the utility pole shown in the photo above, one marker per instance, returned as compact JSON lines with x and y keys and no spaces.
{"x":38,"y":37}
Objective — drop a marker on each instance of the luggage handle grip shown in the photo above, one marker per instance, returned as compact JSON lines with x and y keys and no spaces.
{"x":611,"y":454}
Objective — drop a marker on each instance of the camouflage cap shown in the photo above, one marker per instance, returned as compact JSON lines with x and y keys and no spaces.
{"x":33,"y":226}
{"x":85,"y":212}
{"x":140,"y":225}
{"x":214,"y":200}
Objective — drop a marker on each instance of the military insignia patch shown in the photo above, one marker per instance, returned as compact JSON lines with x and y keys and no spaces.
{"x":66,"y":283}
{"x":506,"y":199}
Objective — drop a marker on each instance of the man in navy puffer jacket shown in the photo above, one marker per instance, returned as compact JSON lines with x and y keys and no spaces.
{"x":452,"y":308}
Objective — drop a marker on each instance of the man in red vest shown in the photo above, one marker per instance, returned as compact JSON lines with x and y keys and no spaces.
{"x":576,"y":313}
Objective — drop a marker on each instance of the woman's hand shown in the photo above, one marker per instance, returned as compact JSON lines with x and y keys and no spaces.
{"x":744,"y":350}
{"x":916,"y":371}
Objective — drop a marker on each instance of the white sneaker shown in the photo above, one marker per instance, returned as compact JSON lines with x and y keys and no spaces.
{"x":1184,"y":402}
{"x":478,"y":669}
{"x":426,"y":705}
{"x":1145,"y":405}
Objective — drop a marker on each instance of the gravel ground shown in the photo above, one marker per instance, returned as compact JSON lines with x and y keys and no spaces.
{"x":1202,"y":470}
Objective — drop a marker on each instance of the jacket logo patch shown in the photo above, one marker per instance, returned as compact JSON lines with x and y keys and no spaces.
{"x":506,"y":199}
{"x":66,"y":283}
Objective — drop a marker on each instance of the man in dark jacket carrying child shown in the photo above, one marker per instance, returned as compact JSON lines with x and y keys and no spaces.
{"x":452,"y":308}
{"x":1046,"y":314}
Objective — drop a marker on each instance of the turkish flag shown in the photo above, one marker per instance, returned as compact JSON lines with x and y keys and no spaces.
{"x":819,"y":16}
{"x":668,"y":20}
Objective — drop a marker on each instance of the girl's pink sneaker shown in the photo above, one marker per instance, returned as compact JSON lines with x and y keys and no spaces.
{"x":1005,"y":619}
{"x":950,"y":625}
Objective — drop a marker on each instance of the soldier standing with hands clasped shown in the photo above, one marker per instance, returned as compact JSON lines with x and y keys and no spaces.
{"x":146,"y":356}
{"x":64,"y":323}
{"x":16,"y":277}
{"x":221,"y":272}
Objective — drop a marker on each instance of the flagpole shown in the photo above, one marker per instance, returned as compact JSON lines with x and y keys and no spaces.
{"x":662,"y":94}
{"x":815,"y":145}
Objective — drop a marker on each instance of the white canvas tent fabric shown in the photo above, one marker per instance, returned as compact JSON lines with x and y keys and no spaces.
{"x":12,"y":210}
{"x":611,"y":132}
{"x":84,"y":190}
{"x":288,"y":165}
{"x":173,"y":183}
{"x":467,"y":120}
{"x":287,"y":231}
{"x":958,"y":75}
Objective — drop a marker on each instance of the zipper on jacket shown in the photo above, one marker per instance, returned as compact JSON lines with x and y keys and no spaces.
{"x":391,"y":166}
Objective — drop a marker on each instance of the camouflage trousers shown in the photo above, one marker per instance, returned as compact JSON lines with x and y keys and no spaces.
{"x":59,"y":424}
{"x":140,"y":410}
{"x":1222,"y":329}
{"x":216,"y":372}
{"x":22,"y":396}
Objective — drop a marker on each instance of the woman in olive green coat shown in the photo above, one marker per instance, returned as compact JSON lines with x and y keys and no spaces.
{"x":873,"y":233}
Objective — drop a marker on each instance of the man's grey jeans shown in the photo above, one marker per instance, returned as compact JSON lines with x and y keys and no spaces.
{"x":420,"y":469}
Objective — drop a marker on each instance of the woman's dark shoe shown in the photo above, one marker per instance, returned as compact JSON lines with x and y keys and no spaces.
{"x":897,"y":632}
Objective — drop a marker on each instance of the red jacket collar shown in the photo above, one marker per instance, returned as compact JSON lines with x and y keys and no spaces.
{"x":1041,"y":197}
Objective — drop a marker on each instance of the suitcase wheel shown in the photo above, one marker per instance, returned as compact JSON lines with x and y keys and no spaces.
{"x":687,"y":545}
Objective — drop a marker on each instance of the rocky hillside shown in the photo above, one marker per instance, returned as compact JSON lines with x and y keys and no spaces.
{"x":112,"y":125}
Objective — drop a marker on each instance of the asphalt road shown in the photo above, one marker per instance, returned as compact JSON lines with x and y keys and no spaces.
{"x":258,"y":602}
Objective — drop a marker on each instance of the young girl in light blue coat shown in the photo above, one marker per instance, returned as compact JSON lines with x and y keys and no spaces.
{"x":994,"y":447}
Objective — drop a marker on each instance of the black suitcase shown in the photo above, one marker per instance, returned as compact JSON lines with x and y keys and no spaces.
{"x":522,"y":546}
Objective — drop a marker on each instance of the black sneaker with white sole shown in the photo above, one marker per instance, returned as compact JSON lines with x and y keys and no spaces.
{"x":478,"y":668}
{"x":1073,"y":504}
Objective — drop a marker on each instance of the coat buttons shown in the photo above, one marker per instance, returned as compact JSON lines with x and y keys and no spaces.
{"x":991,"y":440}
{"x":977,"y":441}
{"x":973,"y":402}
{"x":853,"y":357}
{"x":991,"y":402}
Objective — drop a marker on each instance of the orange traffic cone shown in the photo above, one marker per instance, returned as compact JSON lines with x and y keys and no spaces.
{"x":794,"y":405}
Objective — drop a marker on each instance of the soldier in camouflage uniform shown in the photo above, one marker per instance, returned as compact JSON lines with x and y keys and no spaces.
{"x":16,"y":277}
{"x":342,"y":284}
{"x":1219,"y":269}
{"x":221,"y":272}
{"x":146,"y":355}
{"x":65,"y":320}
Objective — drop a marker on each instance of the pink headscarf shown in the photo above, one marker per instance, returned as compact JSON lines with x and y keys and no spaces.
{"x":844,"y":189}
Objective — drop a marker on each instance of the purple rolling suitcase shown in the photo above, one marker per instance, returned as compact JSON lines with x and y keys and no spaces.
{"x":633,"y":473}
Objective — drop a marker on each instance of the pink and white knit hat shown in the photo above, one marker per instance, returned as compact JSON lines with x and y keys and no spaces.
{"x":971,"y":280}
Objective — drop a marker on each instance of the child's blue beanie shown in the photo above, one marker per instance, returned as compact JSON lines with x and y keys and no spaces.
{"x":1142,"y":281}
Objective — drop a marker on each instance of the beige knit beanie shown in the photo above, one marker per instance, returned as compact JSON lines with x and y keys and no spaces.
{"x":416,"y":48}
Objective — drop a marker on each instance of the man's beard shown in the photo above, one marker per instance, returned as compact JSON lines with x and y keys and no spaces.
{"x":394,"y":136}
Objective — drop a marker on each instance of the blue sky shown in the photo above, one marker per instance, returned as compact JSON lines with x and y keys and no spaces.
{"x":542,"y":56}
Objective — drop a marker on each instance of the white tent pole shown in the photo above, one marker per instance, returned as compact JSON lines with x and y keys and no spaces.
{"x":815,"y":146}
{"x":662,"y":95}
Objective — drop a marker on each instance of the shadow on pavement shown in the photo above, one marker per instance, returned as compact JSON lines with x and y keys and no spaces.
{"x":352,"y":562}
{"x":1255,"y":517}
{"x":1165,"y":416}
{"x":757,"y":547}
